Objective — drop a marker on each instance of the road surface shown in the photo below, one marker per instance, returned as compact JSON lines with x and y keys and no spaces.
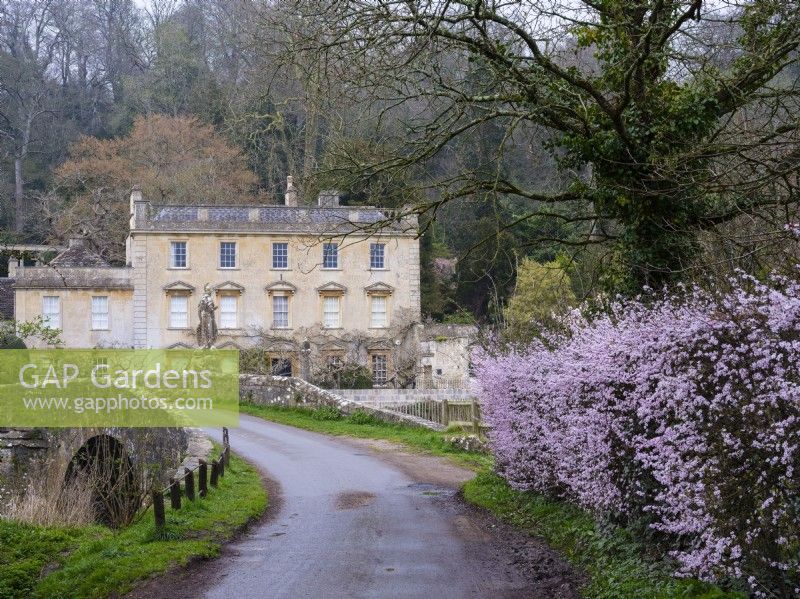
{"x":351,"y":523}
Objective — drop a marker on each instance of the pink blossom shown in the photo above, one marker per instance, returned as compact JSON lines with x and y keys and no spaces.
{"x":683,"y":410}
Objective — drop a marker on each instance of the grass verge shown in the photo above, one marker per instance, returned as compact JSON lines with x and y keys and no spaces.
{"x":614,"y":562}
{"x":364,"y":426}
{"x":94,"y":561}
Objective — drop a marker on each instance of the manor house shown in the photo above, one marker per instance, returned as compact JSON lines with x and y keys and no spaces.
{"x":310,"y":285}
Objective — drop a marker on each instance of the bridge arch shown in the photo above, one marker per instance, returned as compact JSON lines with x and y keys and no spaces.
{"x":110,"y":478}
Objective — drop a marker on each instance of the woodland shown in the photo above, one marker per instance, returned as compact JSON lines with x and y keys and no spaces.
{"x":595,"y":147}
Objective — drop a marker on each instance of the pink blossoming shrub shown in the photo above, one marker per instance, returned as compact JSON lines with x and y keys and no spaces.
{"x":684,"y":412}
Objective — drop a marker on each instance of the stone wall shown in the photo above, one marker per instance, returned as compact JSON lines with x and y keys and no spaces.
{"x":45,"y":453}
{"x":268,"y":390}
{"x":378,"y":397}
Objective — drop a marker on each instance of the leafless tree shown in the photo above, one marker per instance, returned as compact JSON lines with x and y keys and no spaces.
{"x":667,"y":118}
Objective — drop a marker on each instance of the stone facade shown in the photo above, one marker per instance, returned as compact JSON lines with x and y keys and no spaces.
{"x":445,"y":354}
{"x":267,"y":269}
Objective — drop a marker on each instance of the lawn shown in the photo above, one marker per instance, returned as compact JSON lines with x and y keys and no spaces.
{"x":94,"y":561}
{"x":617,"y":566}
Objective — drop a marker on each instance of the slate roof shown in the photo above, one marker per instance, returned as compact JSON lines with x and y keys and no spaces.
{"x":317,"y":220}
{"x":78,"y":254}
{"x":6,"y":299}
{"x":74,"y":277}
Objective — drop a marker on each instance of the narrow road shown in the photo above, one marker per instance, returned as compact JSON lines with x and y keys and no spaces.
{"x":351,"y":523}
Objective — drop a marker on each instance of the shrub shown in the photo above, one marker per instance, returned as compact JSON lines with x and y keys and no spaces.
{"x":326,"y":413}
{"x":362,"y":417}
{"x":682,"y":412}
{"x":542,"y":291}
{"x":8,"y":336}
{"x":11,"y":342}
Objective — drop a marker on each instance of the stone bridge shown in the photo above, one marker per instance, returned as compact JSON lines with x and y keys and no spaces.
{"x":45,"y":454}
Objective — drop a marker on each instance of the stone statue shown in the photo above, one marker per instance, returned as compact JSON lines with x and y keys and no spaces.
{"x":207,"y":327}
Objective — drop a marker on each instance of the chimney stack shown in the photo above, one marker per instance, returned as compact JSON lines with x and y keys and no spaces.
{"x":136,"y":198}
{"x":328,"y":198}
{"x":291,"y":192}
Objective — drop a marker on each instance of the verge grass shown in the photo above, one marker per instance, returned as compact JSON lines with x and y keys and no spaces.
{"x":363,"y":425}
{"x":617,"y":566}
{"x":93,"y":561}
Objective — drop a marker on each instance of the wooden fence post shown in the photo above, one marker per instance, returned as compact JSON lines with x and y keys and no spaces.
{"x":473,"y":407}
{"x":214,"y":473}
{"x":158,"y":509}
{"x":445,"y":413}
{"x":221,"y":462}
{"x":174,"y":494}
{"x":227,"y":455}
{"x":202,"y":478}
{"x":225,"y":437}
{"x":189,"y":484}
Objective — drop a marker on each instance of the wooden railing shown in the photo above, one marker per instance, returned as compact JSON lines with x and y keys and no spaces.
{"x":175,"y":492}
{"x":463,"y":413}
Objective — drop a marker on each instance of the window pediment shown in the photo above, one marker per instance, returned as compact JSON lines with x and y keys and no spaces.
{"x":380,"y":344}
{"x":229,"y":287}
{"x":285,"y":345}
{"x":379,"y":288}
{"x":334,"y":346}
{"x":179,"y":287}
{"x":280,"y":287}
{"x":180,"y":346}
{"x":332,"y":287}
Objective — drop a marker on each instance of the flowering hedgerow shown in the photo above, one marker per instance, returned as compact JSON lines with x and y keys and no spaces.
{"x":682,"y":412}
